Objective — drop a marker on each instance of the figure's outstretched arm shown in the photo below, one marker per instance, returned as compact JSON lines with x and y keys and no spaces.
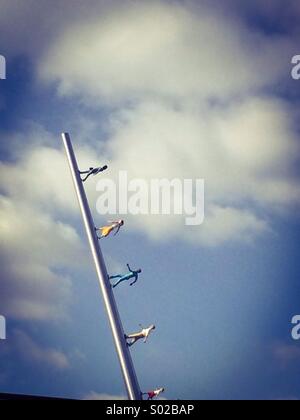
{"x":118,"y":282}
{"x":134,"y":336}
{"x":128,"y":266}
{"x":136,"y":279}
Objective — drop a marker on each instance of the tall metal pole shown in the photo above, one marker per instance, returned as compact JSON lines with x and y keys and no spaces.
{"x":128,"y":371}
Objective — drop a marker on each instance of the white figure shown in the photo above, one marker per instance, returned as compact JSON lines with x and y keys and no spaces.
{"x":144,"y":334}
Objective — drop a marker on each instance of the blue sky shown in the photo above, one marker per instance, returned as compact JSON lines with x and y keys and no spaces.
{"x":188,"y":89}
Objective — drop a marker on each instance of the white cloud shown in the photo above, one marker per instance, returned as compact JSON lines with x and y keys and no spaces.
{"x":225,"y":224}
{"x":33,"y":247}
{"x":39,"y":243}
{"x":158,"y":48}
{"x":194,"y":80}
{"x":42,"y":177}
{"x":258,"y":134}
{"x":37,"y":240}
{"x":190,"y":94}
{"x":170,"y":61}
{"x":31,"y":352}
{"x":243,"y":152}
{"x":94,"y":396}
{"x":23,"y":15}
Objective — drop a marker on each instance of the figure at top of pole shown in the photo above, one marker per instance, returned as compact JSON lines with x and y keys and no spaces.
{"x":133,"y":274}
{"x":92,"y":171}
{"x":155,"y":393}
{"x":107,"y":230}
{"x":144,"y":334}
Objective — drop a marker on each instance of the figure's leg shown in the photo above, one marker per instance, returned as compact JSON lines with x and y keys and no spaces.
{"x":117,"y":276}
{"x":137,"y":335}
{"x":85,"y":178}
{"x":105,"y":231}
{"x":118,"y":282}
{"x":115,"y":285}
{"x":132,"y":342}
{"x":99,"y":236}
{"x":109,"y":231}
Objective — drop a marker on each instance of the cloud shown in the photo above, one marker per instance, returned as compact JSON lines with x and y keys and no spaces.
{"x":94,"y":396}
{"x":243,"y":152}
{"x":231,"y":224}
{"x":40,"y":247}
{"x":32,"y":245}
{"x":189,"y":94}
{"x":38,"y":171}
{"x":147,"y":49}
{"x":184,"y":91}
{"x":26,"y":14}
{"x":188,"y":87}
{"x":32,"y":353}
{"x":37,"y":241}
{"x":194,"y":80}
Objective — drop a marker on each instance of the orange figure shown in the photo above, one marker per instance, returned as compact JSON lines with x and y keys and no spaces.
{"x":107,"y":230}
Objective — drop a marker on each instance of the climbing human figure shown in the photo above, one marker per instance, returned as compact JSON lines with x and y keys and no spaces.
{"x":92,"y":171}
{"x":107,"y":230}
{"x":144,"y":334}
{"x":154,"y":394}
{"x":133,"y":274}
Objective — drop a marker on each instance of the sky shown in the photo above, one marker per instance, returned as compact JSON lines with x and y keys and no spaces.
{"x":162,"y":89}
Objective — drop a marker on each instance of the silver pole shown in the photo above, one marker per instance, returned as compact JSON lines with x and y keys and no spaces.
{"x":128,"y":371}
